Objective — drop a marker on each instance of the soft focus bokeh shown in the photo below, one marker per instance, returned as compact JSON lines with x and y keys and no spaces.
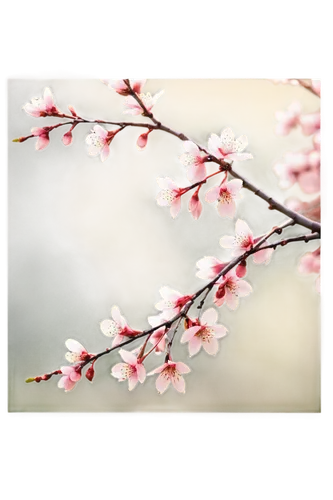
{"x":85,"y":235}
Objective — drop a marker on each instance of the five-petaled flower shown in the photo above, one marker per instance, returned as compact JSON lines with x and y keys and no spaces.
{"x":77,"y":352}
{"x":171,"y":372}
{"x":134,"y":108}
{"x":225,"y":195}
{"x":71,"y":375}
{"x":42,"y":106}
{"x":204,"y":334}
{"x":226,"y":147}
{"x":121,"y":88}
{"x":172,"y":302}
{"x":170,"y":195}
{"x":117,"y":327}
{"x":230,"y":288}
{"x":99,"y":141}
{"x":244,"y":241}
{"x":193,"y":159}
{"x":132,"y":369}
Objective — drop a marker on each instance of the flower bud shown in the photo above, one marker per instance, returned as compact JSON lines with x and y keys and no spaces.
{"x":142,"y":140}
{"x":90,"y":373}
{"x":241,"y":269}
{"x":72,"y":110}
{"x":67,"y":138}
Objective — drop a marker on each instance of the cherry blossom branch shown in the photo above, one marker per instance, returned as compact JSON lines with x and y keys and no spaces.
{"x":307,"y":86}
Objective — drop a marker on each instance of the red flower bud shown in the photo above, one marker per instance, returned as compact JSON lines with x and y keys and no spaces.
{"x":241,"y":269}
{"x":90,"y":373}
{"x":67,"y":138}
{"x":142,"y":140}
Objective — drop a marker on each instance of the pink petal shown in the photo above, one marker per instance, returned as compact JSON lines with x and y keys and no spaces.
{"x":132,"y":381}
{"x":117,"y":370}
{"x":158,"y":370}
{"x":234,"y":186}
{"x":175,"y":207}
{"x":214,"y":143}
{"x":182,"y":368}
{"x":309,"y":182}
{"x":191,"y":148}
{"x":231,"y":299}
{"x":243,"y":288}
{"x":212,"y":194}
{"x":227,"y":241}
{"x":42,"y":142}
{"x":105,"y":152}
{"x":211,"y":346}
{"x":118,"y":318}
{"x":162,"y":383}
{"x":179,"y":383}
{"x":263,"y":256}
{"x":32,"y":110}
{"x":226,"y":209}
{"x":141,"y":371}
{"x":220,"y":331}
{"x":209,"y":317}
{"x":195,"y":206}
{"x":117,"y":340}
{"x":48,"y":99}
{"x":169,"y":294}
{"x":243,"y":229}
{"x":189,"y":333}
{"x":100,"y":131}
{"x":196,"y":173}
{"x":128,"y":357}
{"x":194,"y":345}
{"x":74,"y":346}
{"x":239,"y":156}
{"x":167,"y":183}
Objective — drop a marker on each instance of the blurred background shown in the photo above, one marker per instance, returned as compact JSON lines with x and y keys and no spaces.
{"x":85,"y":235}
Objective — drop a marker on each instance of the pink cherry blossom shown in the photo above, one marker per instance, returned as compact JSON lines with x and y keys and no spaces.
{"x":316,"y":85}
{"x":43,"y":137}
{"x":310,"y":209}
{"x":205,"y":334}
{"x":134,"y":108}
{"x":310,"y":262}
{"x":132,"y":370}
{"x":172,"y":302}
{"x":42,"y":106}
{"x":67,"y":138}
{"x":71,"y":375}
{"x":195,"y":205}
{"x":121,"y":88}
{"x":117,"y":327}
{"x":227,"y":147}
{"x":99,"y":141}
{"x":209,"y":267}
{"x":76,"y":352}
{"x":288,"y":119}
{"x":170,"y":195}
{"x":244,"y":241}
{"x":194,"y":161}
{"x":310,"y":123}
{"x":230,"y":288}
{"x":171,"y":372}
{"x":301,"y":167}
{"x":225,"y":195}
{"x":158,"y":337}
{"x":143,"y":139}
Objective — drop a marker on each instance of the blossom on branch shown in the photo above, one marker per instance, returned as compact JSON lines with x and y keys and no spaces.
{"x":99,"y":141}
{"x":310,"y":123}
{"x":134,"y":108}
{"x":195,"y":205}
{"x":117,"y":327}
{"x":230,"y":288}
{"x":226,"y":147}
{"x":43,"y":137}
{"x":301,"y":167}
{"x":310,"y":263}
{"x":71,"y":375}
{"x":288,"y":119}
{"x":121,"y":88}
{"x":209,"y":267}
{"x":42,"y":106}
{"x":204,"y":334}
{"x":225,"y":195}
{"x":76,"y":352}
{"x":172,"y":302}
{"x":194,"y":161}
{"x":158,"y":337}
{"x":170,"y":195}
{"x":132,"y":370}
{"x":170,"y":372}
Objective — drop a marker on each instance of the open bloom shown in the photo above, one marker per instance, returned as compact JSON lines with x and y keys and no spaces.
{"x":225,"y":195}
{"x":209,"y":267}
{"x":98,"y":141}
{"x":134,"y":108}
{"x":71,"y":375}
{"x":195,"y":205}
{"x":172,"y":302}
{"x":301,"y":167}
{"x":43,"y":137}
{"x":117,"y":327}
{"x":42,"y":106}
{"x":310,"y":123}
{"x":76,"y":352}
{"x":310,"y":263}
{"x":226,"y":147}
{"x":288,"y":119}
{"x":170,"y":372}
{"x":230,"y":288}
{"x":244,"y":241}
{"x":132,"y":370}
{"x":204,"y":334}
{"x":194,"y":161}
{"x":121,"y":88}
{"x":170,"y":195}
{"x":158,"y":337}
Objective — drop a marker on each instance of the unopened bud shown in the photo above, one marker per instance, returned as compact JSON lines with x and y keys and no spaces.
{"x":142,"y":140}
{"x":90,"y":373}
{"x":241,"y":269}
{"x":30,"y":379}
{"x":67,"y":138}
{"x":72,"y":110}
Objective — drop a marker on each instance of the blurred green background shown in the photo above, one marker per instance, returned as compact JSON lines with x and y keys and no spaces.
{"x":85,"y":235}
